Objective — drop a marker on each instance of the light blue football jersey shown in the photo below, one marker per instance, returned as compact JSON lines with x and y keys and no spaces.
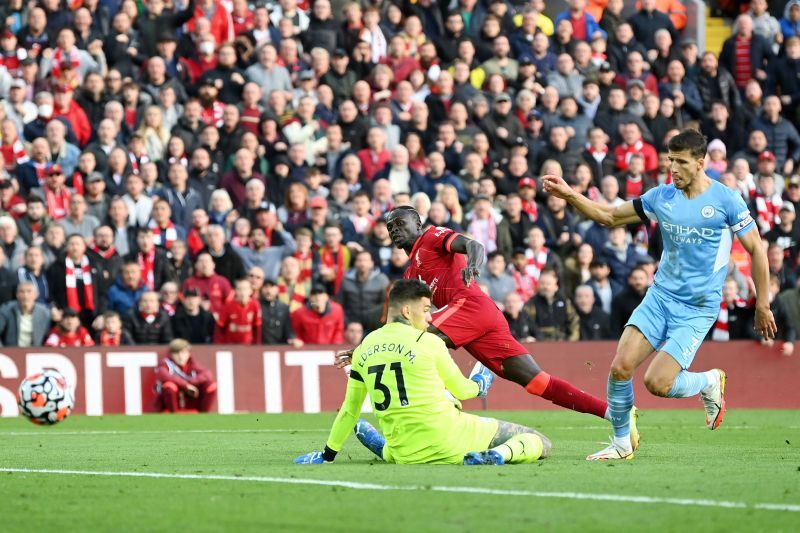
{"x":697,"y":235}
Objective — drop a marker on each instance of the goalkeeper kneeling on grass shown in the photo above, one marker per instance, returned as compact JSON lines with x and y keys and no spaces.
{"x":407,"y":373}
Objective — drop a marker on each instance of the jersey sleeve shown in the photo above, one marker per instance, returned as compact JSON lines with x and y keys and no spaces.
{"x":459,"y":386}
{"x":440,"y":238}
{"x":645,"y":204}
{"x":348,"y":414}
{"x":737,"y":214}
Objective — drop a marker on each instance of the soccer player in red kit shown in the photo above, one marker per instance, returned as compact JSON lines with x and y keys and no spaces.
{"x":239,"y":320}
{"x":469,"y":318}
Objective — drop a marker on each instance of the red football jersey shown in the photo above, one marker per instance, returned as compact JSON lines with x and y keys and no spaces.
{"x":432,"y":262}
{"x":239,"y":324}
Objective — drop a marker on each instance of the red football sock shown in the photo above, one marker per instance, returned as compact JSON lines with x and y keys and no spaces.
{"x":566,"y":395}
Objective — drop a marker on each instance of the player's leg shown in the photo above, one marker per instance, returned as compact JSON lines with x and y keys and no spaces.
{"x":370,"y":437}
{"x":645,"y":329}
{"x":169,"y":397}
{"x":513,"y":444}
{"x":208,"y":394}
{"x":523,"y":370}
{"x":482,"y":329}
{"x":669,"y":376}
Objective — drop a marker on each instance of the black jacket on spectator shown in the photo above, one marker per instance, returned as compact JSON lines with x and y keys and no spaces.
{"x":231,"y":91}
{"x":228,"y":265}
{"x":151,"y":28}
{"x":161,"y":272}
{"x":115,"y":47}
{"x":363,"y":301}
{"x":611,"y":119}
{"x":600,"y":169}
{"x":552,"y":321}
{"x":780,"y":136}
{"x":57,"y":279}
{"x":325,"y":34}
{"x":740,"y":323}
{"x":645,"y":25}
{"x":198,"y":329}
{"x":595,"y":325}
{"x":276,"y":327}
{"x":511,"y":123}
{"x":340,"y":84}
{"x":618,"y":54}
{"x":142,"y":332}
{"x":189,"y":134}
{"x":622,"y":307}
{"x":786,"y":76}
{"x":112,"y":265}
{"x":521,"y":327}
{"x":721,"y":87}
{"x":733,"y":135}
{"x":517,"y":230}
{"x":760,"y":54}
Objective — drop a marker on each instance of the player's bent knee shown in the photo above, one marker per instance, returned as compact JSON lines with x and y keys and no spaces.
{"x":658,"y":385}
{"x":622,"y":369}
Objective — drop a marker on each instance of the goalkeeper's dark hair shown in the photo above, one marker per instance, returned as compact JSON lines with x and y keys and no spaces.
{"x":407,"y":209}
{"x":408,"y":290}
{"x":691,"y":140}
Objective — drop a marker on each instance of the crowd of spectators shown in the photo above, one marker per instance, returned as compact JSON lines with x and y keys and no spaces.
{"x":219,"y":170}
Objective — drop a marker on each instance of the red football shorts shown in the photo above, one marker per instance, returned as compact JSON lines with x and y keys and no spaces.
{"x":479,"y":326}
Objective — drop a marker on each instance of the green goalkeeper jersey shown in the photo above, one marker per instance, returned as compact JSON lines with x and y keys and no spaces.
{"x":405,"y":372}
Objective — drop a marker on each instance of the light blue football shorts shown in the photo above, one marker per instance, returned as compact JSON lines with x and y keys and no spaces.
{"x":673,"y":326}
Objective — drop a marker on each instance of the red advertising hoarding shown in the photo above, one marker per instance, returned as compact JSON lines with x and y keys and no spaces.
{"x":277,"y":379}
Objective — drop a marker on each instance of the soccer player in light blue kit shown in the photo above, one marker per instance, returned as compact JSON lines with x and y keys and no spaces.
{"x":697,"y":218}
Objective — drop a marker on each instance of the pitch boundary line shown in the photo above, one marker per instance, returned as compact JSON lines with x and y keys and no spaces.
{"x":274,"y":430}
{"x":355,"y":485}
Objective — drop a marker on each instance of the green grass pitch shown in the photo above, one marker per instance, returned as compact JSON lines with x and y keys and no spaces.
{"x":238,"y":476}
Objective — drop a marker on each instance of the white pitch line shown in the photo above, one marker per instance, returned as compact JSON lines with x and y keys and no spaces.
{"x":54,"y":433}
{"x":356,"y":485}
{"x":45,"y":432}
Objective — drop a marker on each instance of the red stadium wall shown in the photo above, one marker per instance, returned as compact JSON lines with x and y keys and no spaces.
{"x":275,"y":379}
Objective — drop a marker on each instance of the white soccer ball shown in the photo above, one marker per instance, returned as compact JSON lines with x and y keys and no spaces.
{"x":45,"y":398}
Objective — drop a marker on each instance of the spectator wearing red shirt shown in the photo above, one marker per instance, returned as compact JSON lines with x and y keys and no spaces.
{"x":67,"y":108}
{"x":239,"y":321}
{"x":69,"y":331}
{"x":375,"y":155}
{"x":320,"y":321}
{"x":632,"y":143}
{"x":214,"y":289}
{"x":182,"y":384}
{"x":220,"y":18}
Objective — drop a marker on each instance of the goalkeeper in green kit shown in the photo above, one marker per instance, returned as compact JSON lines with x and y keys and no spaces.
{"x":407,"y":373}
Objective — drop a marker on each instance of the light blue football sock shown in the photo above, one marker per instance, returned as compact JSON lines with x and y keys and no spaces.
{"x":688,"y":384}
{"x":620,"y":401}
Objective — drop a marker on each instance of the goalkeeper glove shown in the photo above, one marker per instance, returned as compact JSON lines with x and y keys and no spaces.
{"x":483,"y":377}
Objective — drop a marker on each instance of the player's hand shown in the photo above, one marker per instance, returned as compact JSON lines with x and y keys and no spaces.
{"x":343,"y":358}
{"x":469,"y":274}
{"x":556,"y":186}
{"x":765,"y":323}
{"x":483,"y":377}
{"x":192,"y":391}
{"x":313,"y":458}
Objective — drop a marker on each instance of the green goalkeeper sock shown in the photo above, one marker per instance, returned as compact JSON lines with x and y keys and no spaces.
{"x":521,"y":449}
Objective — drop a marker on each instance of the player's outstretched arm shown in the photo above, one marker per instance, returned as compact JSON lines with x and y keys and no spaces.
{"x":343,"y":425}
{"x":459,"y":386}
{"x":476,"y":256}
{"x":764,"y":321}
{"x":600,"y":213}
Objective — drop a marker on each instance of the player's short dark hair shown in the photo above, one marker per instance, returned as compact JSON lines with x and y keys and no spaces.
{"x":407,"y":209}
{"x":408,"y":290}
{"x":691,"y":140}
